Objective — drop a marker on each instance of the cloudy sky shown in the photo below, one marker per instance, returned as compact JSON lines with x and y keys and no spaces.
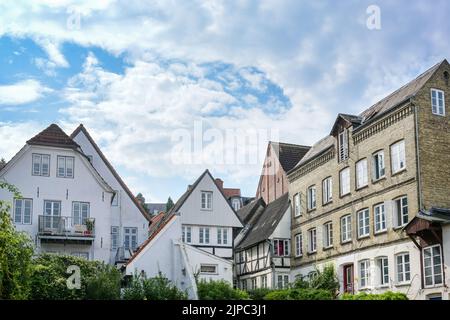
{"x":169,"y":88}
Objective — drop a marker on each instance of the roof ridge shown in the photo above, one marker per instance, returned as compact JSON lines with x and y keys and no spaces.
{"x":53,"y":136}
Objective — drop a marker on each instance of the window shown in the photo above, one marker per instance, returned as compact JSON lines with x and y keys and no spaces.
{"x":114,"y":238}
{"x":378,"y":165}
{"x":244,"y":285}
{"x":298,"y":245}
{"x":328,"y":235}
{"x":345,"y":181}
{"x":364,"y":273}
{"x":282,"y":281}
{"x":361,"y":174}
{"x":312,"y":240}
{"x":204,"y":235}
{"x":401,"y":211}
{"x":297,"y":209}
{"x":65,"y":167}
{"x":311,"y":197}
{"x":343,"y":145}
{"x":363,"y":223}
{"x":432,"y":265}
{"x":41,"y":164}
{"x":222,"y":236}
{"x":264,"y":281}
{"x":208,"y":268}
{"x":380,"y":218}
{"x":327,"y":190}
{"x":186,"y":234}
{"x":115,"y":200}
{"x":438,"y":102}
{"x":84,"y":255}
{"x":281,"y":247}
{"x":236,"y":204}
{"x":130,"y":238}
{"x":398,"y":160}
{"x":22,"y":211}
{"x":383,"y":269}
{"x":80,"y":212}
{"x":207,"y":200}
{"x":346,"y":228}
{"x":254,"y":283}
{"x":403,"y":269}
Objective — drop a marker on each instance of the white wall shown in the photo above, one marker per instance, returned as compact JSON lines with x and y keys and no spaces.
{"x":83,"y":187}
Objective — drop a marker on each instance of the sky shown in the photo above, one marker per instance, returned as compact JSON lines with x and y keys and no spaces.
{"x":170,"y":88}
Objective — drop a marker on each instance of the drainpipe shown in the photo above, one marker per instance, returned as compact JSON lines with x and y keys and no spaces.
{"x":419,"y":178}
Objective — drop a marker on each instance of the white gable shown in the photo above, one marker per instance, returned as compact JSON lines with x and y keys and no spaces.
{"x":221,"y":213}
{"x":283,"y":229}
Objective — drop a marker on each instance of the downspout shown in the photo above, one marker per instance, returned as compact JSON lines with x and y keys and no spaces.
{"x":419,"y":177}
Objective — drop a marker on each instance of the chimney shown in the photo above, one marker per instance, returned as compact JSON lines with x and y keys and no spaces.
{"x":219,"y":183}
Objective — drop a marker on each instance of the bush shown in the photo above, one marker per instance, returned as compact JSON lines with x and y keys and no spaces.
{"x":300,"y":294}
{"x":156,"y":288}
{"x":389,"y":295}
{"x":219,"y":290}
{"x":49,"y":279}
{"x":259,"y":294}
{"x":323,"y":280}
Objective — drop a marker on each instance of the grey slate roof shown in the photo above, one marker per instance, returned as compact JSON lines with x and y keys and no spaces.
{"x":263,"y":224}
{"x":156,"y":207}
{"x":319,"y":147}
{"x":289,"y":154}
{"x":247,"y":212}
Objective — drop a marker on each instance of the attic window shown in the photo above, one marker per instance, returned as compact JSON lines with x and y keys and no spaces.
{"x":343,"y":145}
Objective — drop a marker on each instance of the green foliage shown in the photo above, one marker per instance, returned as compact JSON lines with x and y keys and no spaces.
{"x":169,"y":204}
{"x":259,"y":294}
{"x":300,"y":294}
{"x":156,"y":288}
{"x":219,"y":290}
{"x":49,"y":279}
{"x":388,"y":295}
{"x":16,"y":251}
{"x":324,"y":280}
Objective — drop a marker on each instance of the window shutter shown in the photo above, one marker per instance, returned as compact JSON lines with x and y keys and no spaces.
{"x":390,"y":216}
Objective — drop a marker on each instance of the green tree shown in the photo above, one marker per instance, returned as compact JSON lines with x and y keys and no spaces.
{"x":219,"y":290}
{"x":323,"y":280}
{"x":156,"y":288}
{"x":169,"y":204}
{"x":16,"y":251}
{"x":2,"y":163}
{"x":140,"y":198}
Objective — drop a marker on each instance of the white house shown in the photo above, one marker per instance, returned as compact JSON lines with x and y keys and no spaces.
{"x":194,"y":239}
{"x":262,"y":254}
{"x":129,"y":220}
{"x":66,"y":204}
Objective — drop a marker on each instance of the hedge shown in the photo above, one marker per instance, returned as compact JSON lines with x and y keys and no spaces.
{"x":300,"y":294}
{"x":389,"y":295}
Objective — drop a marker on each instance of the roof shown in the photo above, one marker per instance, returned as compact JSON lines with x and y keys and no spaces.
{"x":247,"y":212}
{"x":393,"y":100}
{"x":352,"y":119}
{"x":400,"y":95}
{"x":157,"y":218}
{"x":53,"y":136}
{"x":81,"y":128}
{"x":265,"y":223}
{"x":289,"y":154}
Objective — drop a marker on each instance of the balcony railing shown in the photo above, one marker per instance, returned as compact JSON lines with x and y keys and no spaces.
{"x":60,"y":226}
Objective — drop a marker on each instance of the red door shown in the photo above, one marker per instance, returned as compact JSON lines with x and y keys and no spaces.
{"x":348,"y":278}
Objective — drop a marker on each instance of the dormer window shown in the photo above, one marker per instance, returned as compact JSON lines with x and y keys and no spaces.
{"x":343,"y":145}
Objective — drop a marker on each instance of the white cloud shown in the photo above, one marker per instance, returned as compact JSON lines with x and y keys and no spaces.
{"x":14,"y":136}
{"x":22,"y":92}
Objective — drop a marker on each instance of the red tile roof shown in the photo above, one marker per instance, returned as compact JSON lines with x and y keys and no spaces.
{"x":231,"y":192}
{"x":53,"y":136}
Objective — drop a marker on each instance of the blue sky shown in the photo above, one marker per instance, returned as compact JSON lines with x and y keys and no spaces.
{"x":143,"y":75}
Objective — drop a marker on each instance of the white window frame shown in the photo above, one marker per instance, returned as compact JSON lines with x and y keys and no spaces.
{"x":77,"y":217}
{"x":23,"y":206}
{"x":400,"y":268}
{"x":346,"y":228}
{"x":298,"y":245}
{"x":327,"y":190}
{"x":312,"y":198}
{"x":432,"y":266}
{"x":398,"y":157}
{"x":204,"y":233}
{"x":328,"y":235}
{"x":343,"y":145}
{"x":312,"y":240}
{"x":364,"y":273}
{"x":207,"y":200}
{"x":379,"y":166}
{"x":297,"y":205}
{"x":362,"y":178}
{"x":222,"y":236}
{"x":128,"y":232}
{"x":204,"y":265}
{"x":286,"y":247}
{"x":383,"y":270}
{"x":115,"y":237}
{"x":437,"y":111}
{"x":344,"y":181}
{"x":236,"y":203}
{"x":401,"y":216}
{"x":38,"y":158}
{"x":65,"y":167}
{"x":363,"y":223}
{"x":379,"y":218}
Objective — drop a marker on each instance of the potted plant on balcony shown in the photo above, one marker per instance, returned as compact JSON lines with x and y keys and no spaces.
{"x":90,"y":226}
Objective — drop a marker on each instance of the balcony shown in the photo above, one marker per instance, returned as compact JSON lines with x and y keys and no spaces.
{"x":61,"y":228}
